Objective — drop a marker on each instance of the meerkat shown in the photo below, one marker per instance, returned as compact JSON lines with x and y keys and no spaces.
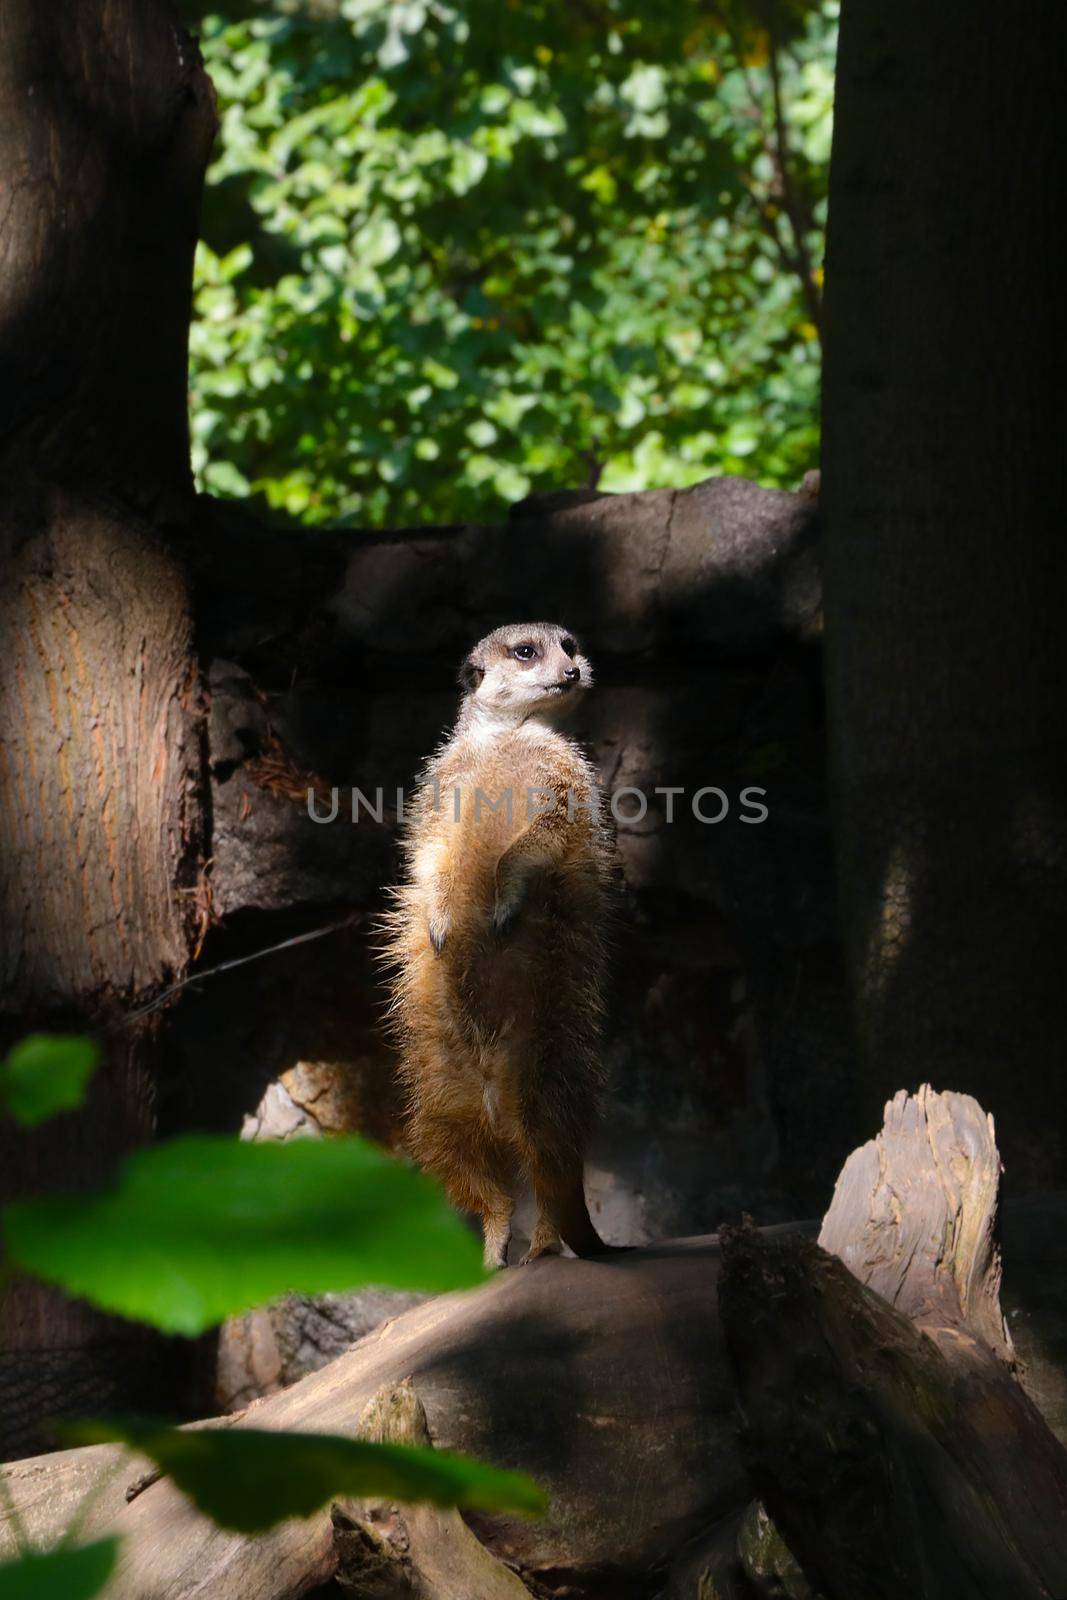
{"x":496,"y":945}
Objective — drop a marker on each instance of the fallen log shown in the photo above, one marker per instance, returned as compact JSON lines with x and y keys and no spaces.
{"x":610,"y":1381}
{"x":606,"y":1379}
{"x":884,"y":1427}
{"x":914,"y":1216}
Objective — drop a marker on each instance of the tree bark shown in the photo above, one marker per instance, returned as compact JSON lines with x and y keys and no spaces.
{"x":106,"y":119}
{"x":943,"y":559}
{"x":888,"y":1437}
{"x":106,"y":122}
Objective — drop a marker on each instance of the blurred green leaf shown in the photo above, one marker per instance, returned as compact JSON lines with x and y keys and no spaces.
{"x":204,"y":1227}
{"x":44,"y":1074}
{"x":248,"y":1479}
{"x":59,"y":1574}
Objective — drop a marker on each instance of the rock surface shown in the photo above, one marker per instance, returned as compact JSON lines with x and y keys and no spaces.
{"x":333,"y":660}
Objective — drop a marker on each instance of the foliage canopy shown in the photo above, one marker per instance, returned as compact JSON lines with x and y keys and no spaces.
{"x":456,"y":251}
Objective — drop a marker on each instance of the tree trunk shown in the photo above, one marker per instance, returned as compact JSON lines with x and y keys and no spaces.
{"x":106,"y":119}
{"x":944,"y":562}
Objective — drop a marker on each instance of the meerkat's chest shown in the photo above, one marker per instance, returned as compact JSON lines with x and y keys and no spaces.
{"x":483,"y":796}
{"x":513,"y":775}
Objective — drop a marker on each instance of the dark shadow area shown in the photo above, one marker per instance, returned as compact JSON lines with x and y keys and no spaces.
{"x":727,"y":1038}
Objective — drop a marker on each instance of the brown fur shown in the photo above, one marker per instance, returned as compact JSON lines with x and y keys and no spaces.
{"x":496,"y":948}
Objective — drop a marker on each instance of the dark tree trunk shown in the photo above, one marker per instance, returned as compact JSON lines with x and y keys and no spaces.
{"x":944,"y":559}
{"x":106,"y":119}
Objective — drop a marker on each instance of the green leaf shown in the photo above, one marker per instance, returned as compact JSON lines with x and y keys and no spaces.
{"x":46,"y":1073}
{"x":248,"y":1479}
{"x":59,"y":1574}
{"x":203,"y":1227}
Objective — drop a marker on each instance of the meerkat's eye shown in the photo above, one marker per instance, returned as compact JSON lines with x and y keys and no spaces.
{"x":569,"y":647}
{"x":524,"y":652}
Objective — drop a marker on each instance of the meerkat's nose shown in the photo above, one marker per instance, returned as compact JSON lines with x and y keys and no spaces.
{"x":572,"y":674}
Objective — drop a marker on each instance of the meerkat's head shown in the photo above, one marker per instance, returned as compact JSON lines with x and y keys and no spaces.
{"x":524,"y":672}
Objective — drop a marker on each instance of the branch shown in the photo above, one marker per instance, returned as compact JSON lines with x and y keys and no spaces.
{"x":795,"y":255}
{"x":799,"y":222}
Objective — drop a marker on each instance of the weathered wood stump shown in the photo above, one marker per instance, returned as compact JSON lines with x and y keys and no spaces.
{"x":391,"y":1552}
{"x":883,"y":1424}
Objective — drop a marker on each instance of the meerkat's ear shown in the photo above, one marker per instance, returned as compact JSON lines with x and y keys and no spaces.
{"x":470,"y":675}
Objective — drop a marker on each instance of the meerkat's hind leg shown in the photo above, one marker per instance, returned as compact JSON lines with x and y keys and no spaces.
{"x":545,"y":1240}
{"x":472,"y":1183}
{"x":561,"y":1198}
{"x":496,"y":1225}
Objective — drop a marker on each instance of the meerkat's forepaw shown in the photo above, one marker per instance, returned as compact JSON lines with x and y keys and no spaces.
{"x":505,"y":911}
{"x":438,"y":926}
